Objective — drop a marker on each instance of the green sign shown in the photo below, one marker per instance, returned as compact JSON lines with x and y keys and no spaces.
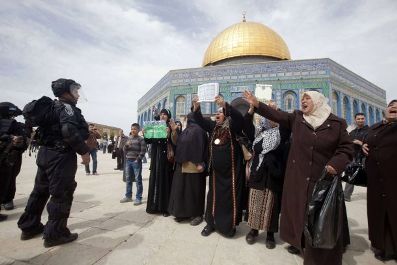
{"x":155,"y":130}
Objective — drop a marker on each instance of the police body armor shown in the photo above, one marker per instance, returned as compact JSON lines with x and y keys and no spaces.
{"x":59,"y":138}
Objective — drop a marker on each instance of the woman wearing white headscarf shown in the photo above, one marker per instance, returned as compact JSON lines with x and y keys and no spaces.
{"x":319,"y":139}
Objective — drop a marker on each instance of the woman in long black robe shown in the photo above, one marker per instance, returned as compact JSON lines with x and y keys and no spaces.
{"x":187,"y":198}
{"x":226,"y":177}
{"x":161,"y":171}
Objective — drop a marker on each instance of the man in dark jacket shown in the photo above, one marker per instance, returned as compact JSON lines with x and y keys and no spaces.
{"x":93,"y":145}
{"x":62,"y":136}
{"x":358,"y":135}
{"x":118,"y":149}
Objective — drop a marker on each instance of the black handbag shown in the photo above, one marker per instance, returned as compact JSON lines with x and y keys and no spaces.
{"x":324,"y":218}
{"x":355,"y":173}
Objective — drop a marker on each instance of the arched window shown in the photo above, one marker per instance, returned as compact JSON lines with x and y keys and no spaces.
{"x":289,"y":101}
{"x":355,"y":107}
{"x":159,"y":108}
{"x":371,"y":116}
{"x":346,"y":110}
{"x":377,"y":116}
{"x":335,"y":101}
{"x":165,"y":103}
{"x":180,"y":103}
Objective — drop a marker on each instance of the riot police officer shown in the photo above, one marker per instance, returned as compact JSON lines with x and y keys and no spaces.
{"x":59,"y":141}
{"x":13,"y":142}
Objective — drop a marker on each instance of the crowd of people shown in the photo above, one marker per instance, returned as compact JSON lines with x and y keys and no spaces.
{"x":262,"y":168}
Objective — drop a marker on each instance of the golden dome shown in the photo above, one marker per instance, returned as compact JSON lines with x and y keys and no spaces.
{"x":246,"y":39}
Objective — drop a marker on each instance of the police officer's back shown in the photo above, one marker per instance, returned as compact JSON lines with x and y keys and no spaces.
{"x":60,"y":138}
{"x":13,"y":142}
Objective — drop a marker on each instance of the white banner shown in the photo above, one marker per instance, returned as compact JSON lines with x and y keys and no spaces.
{"x":263,"y":92}
{"x":208,"y":92}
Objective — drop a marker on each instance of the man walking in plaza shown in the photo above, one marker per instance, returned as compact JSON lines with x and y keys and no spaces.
{"x":358,"y":135}
{"x":134,"y":151}
{"x":118,"y":149}
{"x":93,"y":145}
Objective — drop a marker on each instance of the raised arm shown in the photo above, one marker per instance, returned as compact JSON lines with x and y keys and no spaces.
{"x":248,"y":126}
{"x":237,"y":118}
{"x":206,"y":124}
{"x":285,"y":119}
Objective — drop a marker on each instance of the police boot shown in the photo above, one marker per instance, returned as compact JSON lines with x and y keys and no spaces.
{"x":3,"y":217}
{"x":38,"y":230}
{"x":48,"y":242}
{"x":9,"y":205}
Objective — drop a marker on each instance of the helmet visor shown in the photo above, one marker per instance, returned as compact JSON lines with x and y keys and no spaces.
{"x":77,"y":92}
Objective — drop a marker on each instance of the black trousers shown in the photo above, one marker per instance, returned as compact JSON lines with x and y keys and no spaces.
{"x":56,"y":178}
{"x":5,"y":177}
{"x":13,"y":172}
{"x":120,"y":158}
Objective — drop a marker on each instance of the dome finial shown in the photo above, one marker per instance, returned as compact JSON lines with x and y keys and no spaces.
{"x":244,"y":13}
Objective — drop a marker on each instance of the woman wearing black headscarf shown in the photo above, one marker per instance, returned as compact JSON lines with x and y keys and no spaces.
{"x":188,"y":184}
{"x":226,"y":183}
{"x":161,"y":171}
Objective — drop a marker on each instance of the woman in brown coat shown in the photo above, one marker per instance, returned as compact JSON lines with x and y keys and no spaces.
{"x":381,"y":148}
{"x":319,"y":139}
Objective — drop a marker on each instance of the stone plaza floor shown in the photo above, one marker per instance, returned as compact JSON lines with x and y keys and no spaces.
{"x":115,"y":233}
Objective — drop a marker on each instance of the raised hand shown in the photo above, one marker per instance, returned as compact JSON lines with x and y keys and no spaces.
{"x":220,"y":101}
{"x":195,"y":103}
{"x":250,"y":98}
{"x":173,"y":125}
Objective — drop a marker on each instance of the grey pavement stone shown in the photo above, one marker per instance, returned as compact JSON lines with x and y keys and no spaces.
{"x":5,"y":261}
{"x":72,"y":253}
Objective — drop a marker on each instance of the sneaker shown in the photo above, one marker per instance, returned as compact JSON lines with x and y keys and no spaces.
{"x":125,"y":199}
{"x":137,"y":202}
{"x":59,"y":241}
{"x":196,"y":221}
{"x":26,"y":235}
{"x":9,"y":206}
{"x":87,"y":173}
{"x":94,"y":173}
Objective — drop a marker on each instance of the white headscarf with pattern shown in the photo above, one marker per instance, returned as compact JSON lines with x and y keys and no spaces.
{"x":321,"y":109}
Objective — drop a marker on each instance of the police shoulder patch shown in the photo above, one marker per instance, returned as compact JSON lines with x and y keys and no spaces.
{"x":68,"y":109}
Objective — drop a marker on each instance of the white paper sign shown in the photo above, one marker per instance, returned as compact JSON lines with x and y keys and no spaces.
{"x":208,"y":92}
{"x":263,"y":92}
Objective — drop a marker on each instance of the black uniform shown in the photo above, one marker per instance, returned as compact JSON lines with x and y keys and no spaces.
{"x":12,"y":160}
{"x":57,"y":165}
{"x":10,"y":156}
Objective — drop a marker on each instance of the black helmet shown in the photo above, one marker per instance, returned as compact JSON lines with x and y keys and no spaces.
{"x":62,"y":85}
{"x":7,"y":110}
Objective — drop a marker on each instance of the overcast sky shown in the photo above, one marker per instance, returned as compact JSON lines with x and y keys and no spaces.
{"x":117,"y":50}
